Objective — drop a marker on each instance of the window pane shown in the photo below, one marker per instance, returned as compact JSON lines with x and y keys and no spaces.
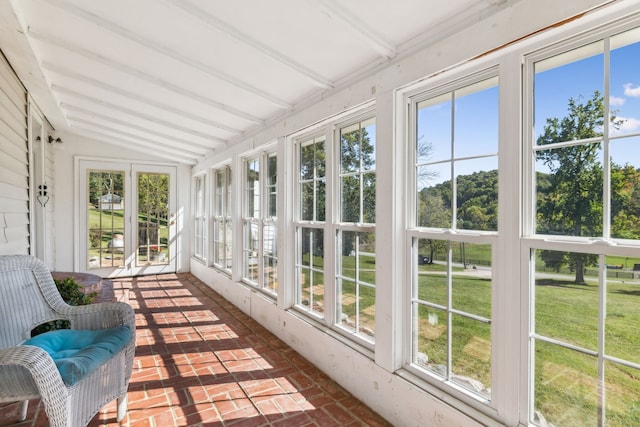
{"x":477,"y":194}
{"x":321,"y":194}
{"x":253,"y":189}
{"x":573,"y":76}
{"x":431,"y":334}
{"x":433,"y":261}
{"x":476,"y":119}
{"x":310,"y":270}
{"x":369,"y":198}
{"x":622,"y":339}
{"x":350,"y":186}
{"x":272,"y":186}
{"x":566,"y":386}
{"x":625,"y":188}
{"x":434,"y":139}
{"x":434,"y":196}
{"x":569,"y":190}
{"x":307,"y":160}
{"x":471,"y":354}
{"x":566,"y":297}
{"x":623,"y":395}
{"x":625,"y":82}
{"x":471,"y":287}
{"x":307,"y":201}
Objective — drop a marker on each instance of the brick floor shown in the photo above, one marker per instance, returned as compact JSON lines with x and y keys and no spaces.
{"x":200,"y":361}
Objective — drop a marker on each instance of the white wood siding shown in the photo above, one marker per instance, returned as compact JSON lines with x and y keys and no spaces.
{"x":14,"y":164}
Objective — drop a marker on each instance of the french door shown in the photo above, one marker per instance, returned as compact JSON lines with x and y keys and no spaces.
{"x":127,"y":218}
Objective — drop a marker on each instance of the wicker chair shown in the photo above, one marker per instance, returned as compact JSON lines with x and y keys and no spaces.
{"x":29,"y":297}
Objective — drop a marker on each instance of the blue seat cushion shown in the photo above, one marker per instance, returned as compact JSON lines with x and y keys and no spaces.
{"x":77,"y":353}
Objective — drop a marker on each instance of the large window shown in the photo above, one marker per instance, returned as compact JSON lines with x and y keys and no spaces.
{"x":355,"y":257}
{"x":584,"y":234}
{"x":259,"y":222}
{"x":453,"y":231}
{"x":222,"y":219}
{"x":335,"y":225}
{"x":199,"y":218}
{"x":310,"y":277}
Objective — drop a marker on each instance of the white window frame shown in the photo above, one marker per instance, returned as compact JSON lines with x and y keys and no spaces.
{"x":598,"y":245}
{"x":357,"y":227}
{"x":200,"y":217}
{"x":258,"y":221}
{"x":222,"y":218}
{"x":406,"y":101}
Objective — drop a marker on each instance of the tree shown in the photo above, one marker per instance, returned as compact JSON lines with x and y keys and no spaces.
{"x":573,"y":204}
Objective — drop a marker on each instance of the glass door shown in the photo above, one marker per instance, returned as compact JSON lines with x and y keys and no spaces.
{"x":127,"y":219}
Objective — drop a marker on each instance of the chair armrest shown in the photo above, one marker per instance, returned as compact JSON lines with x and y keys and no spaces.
{"x":101,"y":316}
{"x":23,"y":366}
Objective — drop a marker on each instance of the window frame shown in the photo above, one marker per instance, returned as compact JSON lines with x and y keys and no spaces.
{"x":600,"y":246}
{"x":260,"y":221}
{"x":357,"y":227}
{"x":222,"y":217}
{"x":409,"y":98}
{"x":200,"y":217}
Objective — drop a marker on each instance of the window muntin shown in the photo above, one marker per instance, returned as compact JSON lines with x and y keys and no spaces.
{"x":222,"y":219}
{"x":199,"y":218}
{"x":456,"y":146}
{"x":586,"y":174}
{"x":259,"y":222}
{"x":455,"y":186}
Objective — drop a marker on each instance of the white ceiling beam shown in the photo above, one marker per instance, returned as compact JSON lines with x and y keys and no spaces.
{"x":109,"y":139}
{"x":136,"y":97}
{"x":135,"y":139}
{"x":132,"y":36}
{"x":146,"y":77}
{"x":359,"y":27}
{"x":230,"y":31}
{"x":103,"y":117}
{"x":135,"y":113}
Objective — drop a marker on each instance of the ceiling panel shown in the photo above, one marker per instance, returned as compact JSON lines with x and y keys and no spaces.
{"x":192,"y":76}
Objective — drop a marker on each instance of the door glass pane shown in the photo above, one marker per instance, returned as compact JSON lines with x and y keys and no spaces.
{"x":153,"y":218}
{"x":105,"y":219}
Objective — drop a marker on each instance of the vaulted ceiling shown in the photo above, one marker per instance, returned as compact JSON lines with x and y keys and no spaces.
{"x":186,"y":77}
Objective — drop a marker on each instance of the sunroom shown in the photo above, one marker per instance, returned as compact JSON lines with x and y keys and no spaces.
{"x":437,"y":205}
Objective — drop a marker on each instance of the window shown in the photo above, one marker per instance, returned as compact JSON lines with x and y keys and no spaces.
{"x":335,"y":225}
{"x":199,"y":218}
{"x":453,"y":231}
{"x":355,"y":257}
{"x":259,"y":222}
{"x":222,"y":224}
{"x":583,"y":233}
{"x":310,"y":280}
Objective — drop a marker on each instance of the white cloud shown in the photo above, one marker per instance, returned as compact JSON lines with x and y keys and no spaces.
{"x":628,"y":124}
{"x":614,"y":100}
{"x":629,"y":90}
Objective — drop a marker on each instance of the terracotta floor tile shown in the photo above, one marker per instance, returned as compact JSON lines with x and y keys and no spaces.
{"x":200,"y":361}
